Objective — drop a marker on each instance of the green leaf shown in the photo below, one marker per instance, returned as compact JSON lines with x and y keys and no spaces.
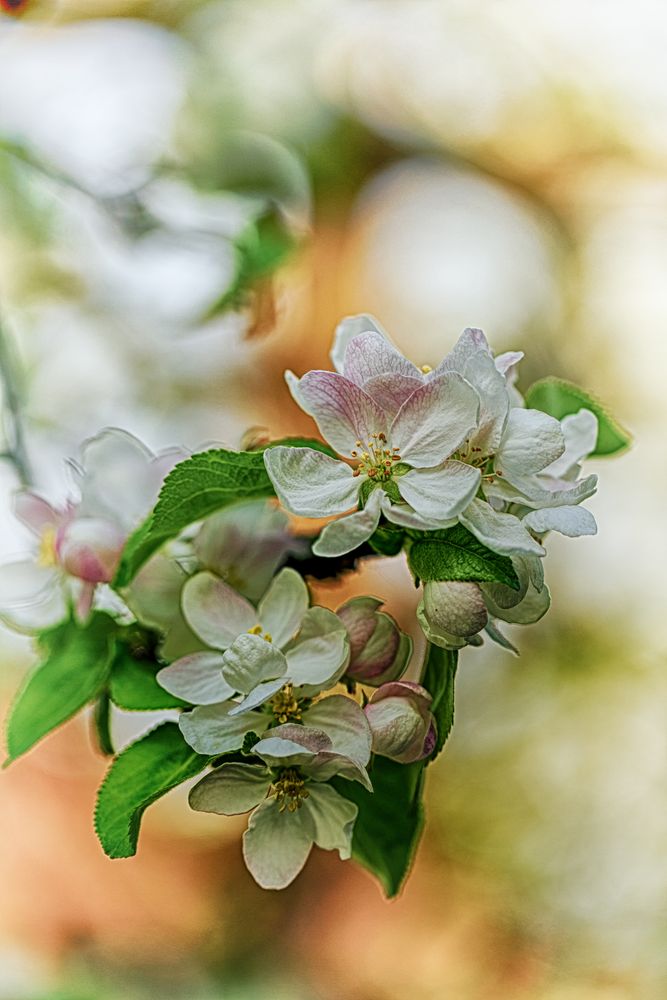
{"x":73,"y":671}
{"x":260,"y":249}
{"x":559,"y":398}
{"x":438,"y":679}
{"x":133,"y":687}
{"x":195,"y":488}
{"x":390,"y":820}
{"x":455,"y":554}
{"x":142,"y":773}
{"x":387,"y":540}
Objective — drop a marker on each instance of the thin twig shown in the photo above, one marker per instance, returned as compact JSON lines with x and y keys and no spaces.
{"x":15,"y":450}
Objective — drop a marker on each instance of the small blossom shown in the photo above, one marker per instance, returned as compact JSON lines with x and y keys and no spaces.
{"x":292,"y":806}
{"x":379,"y":651}
{"x":79,"y":546}
{"x":403,"y":728}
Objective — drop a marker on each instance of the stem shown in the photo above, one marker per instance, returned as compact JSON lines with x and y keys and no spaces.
{"x":15,"y":451}
{"x":102,"y":725}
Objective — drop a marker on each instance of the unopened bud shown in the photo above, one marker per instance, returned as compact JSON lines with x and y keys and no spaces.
{"x":402,"y":726}
{"x":379,"y":651}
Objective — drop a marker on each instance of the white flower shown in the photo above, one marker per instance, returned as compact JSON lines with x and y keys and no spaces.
{"x":79,"y":546}
{"x":292,"y":806}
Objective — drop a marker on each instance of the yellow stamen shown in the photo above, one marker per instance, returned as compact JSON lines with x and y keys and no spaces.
{"x":285,"y":706}
{"x":290,"y":790}
{"x":46,"y":554}
{"x":258,"y":630}
{"x":425,"y":369}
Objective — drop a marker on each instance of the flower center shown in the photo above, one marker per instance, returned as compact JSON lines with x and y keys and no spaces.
{"x":425,"y":369}
{"x":376,"y":462}
{"x":46,"y":553}
{"x":289,"y":789}
{"x":285,"y":706}
{"x":258,"y":630}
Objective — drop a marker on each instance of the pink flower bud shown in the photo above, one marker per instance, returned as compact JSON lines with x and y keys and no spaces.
{"x":379,"y":651}
{"x":89,"y":548}
{"x":403,"y":728}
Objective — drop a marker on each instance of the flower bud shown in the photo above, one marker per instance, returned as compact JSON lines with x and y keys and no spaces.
{"x":402,"y":726}
{"x":379,"y":651}
{"x":452,"y":612}
{"x":89,"y":548}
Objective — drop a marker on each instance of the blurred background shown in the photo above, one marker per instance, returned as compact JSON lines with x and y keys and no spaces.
{"x":438,"y":164}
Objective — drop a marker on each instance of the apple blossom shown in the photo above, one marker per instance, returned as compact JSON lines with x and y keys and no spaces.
{"x":379,"y":651}
{"x":401,"y":722}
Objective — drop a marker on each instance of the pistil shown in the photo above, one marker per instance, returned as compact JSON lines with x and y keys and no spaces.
{"x":378,"y":460}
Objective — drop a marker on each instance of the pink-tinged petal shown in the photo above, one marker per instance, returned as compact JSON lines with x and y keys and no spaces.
{"x":570,"y":521}
{"x":282,"y":608}
{"x":35,"y":512}
{"x":347,"y":533}
{"x":470,"y":341}
{"x":400,"y":720}
{"x":489,"y":384}
{"x":276,"y":844}
{"x":291,"y":744}
{"x":503,"y":533}
{"x":370,"y":355}
{"x":392,"y":390}
{"x":231,"y":789}
{"x":532,"y":440}
{"x":344,"y":723}
{"x":196,"y":678}
{"x":352,"y":326}
{"x":435,"y":420}
{"x":90,"y":548}
{"x":343,"y":412}
{"x":439,"y":495}
{"x":310,"y":483}
{"x":211,"y":729}
{"x":333,"y":818}
{"x":84,"y":594}
{"x":215,"y":611}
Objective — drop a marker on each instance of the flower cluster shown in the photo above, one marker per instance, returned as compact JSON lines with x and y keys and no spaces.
{"x":178,"y":582}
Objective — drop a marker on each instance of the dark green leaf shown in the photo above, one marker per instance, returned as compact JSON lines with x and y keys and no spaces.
{"x":195,"y":488}
{"x":559,"y":398}
{"x":455,"y":554}
{"x":73,"y":671}
{"x":102,"y":724}
{"x":387,"y":540}
{"x":142,"y":773}
{"x":438,"y":679}
{"x":132,"y":685}
{"x":390,"y":820}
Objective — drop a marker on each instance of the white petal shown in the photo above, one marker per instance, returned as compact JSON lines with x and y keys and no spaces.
{"x":532,"y":606}
{"x":435,"y":420}
{"x":282,"y":608}
{"x":508,"y":360}
{"x":316,"y":664}
{"x":249,"y":661}
{"x":503,"y":533}
{"x":392,"y":390}
{"x":258,"y":696}
{"x":333,"y":818}
{"x":348,"y":328}
{"x":115,"y":477}
{"x":370,"y":354}
{"x":215,"y":611}
{"x":571,"y":521}
{"x":539,"y":491}
{"x":196,"y":678}
{"x":318,"y":621}
{"x":344,"y":723}
{"x":470,"y":341}
{"x":348,"y":532}
{"x":291,"y":745}
{"x":343,"y":412}
{"x":440,"y":494}
{"x":231,"y":789}
{"x":31,"y":596}
{"x":310,"y":483}
{"x":580,"y":431}
{"x":276,"y":844}
{"x":532,"y":440}
{"x":498,"y":637}
{"x":210,"y":729}
{"x":490,"y":386}
{"x":154,"y":595}
{"x":403,"y":514}
{"x":327,"y":764}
